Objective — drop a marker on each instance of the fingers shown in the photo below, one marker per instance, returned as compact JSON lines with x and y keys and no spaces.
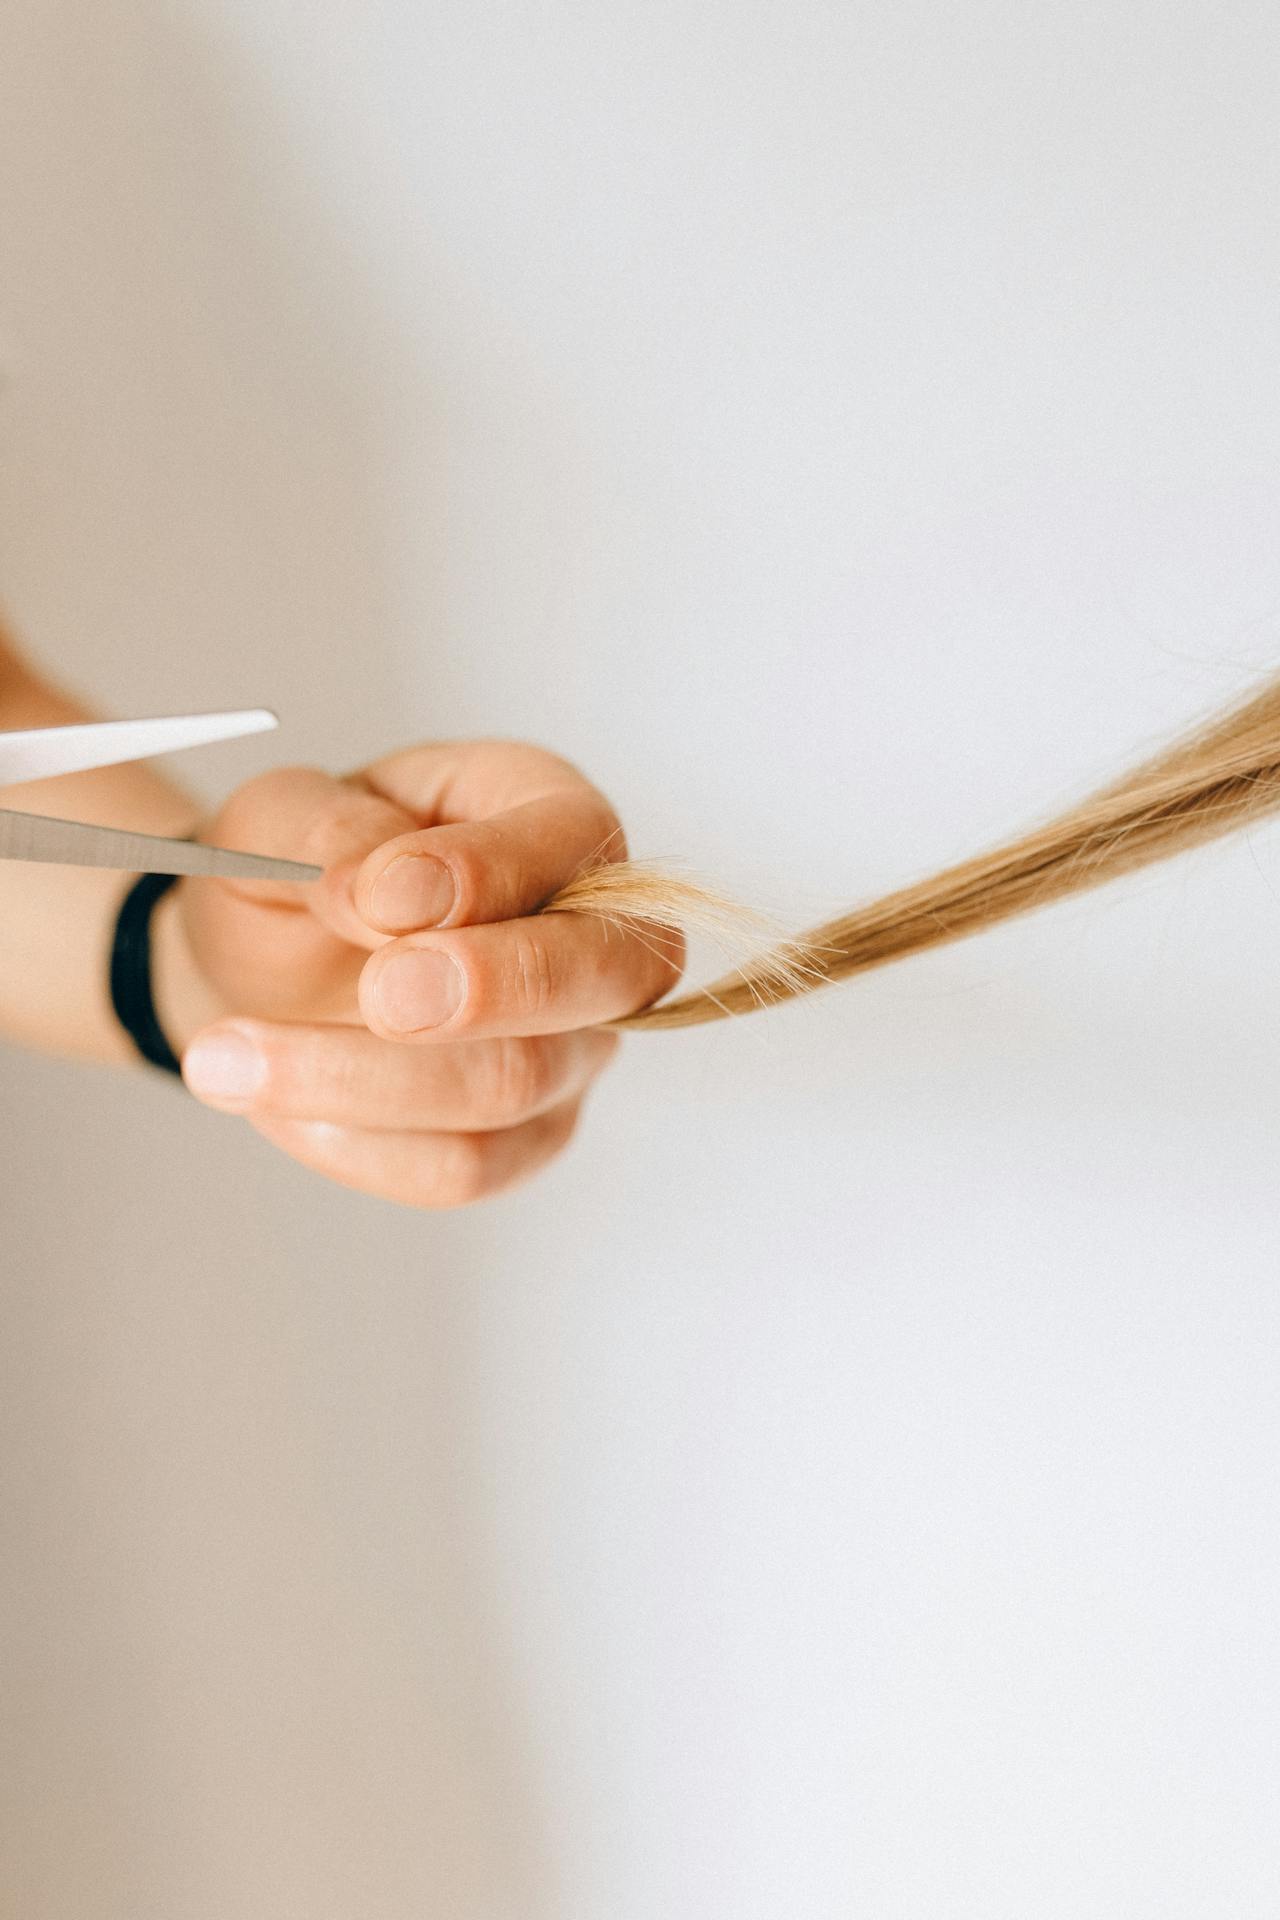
{"x":510,"y":825}
{"x":546,"y":974}
{"x":434,"y":1170}
{"x":351,"y":1079}
{"x":300,"y":813}
{"x":271,"y":948}
{"x":484,"y":870}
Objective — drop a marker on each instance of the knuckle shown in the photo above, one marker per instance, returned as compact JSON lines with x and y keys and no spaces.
{"x":544,"y":760}
{"x":532,"y":980}
{"x":515,"y":770}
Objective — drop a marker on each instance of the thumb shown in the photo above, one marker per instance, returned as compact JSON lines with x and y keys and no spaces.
{"x":302,"y":813}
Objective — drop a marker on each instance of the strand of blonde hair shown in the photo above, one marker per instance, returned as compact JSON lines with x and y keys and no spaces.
{"x":1222,"y":777}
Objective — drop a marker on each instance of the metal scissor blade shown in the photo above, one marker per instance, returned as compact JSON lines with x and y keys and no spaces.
{"x":70,"y":843}
{"x":37,"y":753}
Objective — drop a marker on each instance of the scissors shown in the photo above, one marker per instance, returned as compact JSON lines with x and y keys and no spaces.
{"x":40,"y":752}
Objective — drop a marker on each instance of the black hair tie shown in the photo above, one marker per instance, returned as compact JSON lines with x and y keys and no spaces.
{"x":131,"y":994}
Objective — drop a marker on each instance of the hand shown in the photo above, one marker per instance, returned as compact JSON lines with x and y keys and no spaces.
{"x":409,"y":1024}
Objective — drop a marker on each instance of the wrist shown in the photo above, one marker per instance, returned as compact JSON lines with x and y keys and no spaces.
{"x":185,"y":1001}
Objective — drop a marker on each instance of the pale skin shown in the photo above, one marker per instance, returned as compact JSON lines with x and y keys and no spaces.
{"x":409,"y":1025}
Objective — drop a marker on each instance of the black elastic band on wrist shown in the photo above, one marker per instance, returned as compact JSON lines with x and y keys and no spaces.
{"x":131,"y":994}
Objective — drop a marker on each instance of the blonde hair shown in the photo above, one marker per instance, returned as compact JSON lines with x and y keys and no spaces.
{"x":1223,"y":776}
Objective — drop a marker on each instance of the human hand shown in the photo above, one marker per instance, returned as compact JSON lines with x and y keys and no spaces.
{"x":410,"y":1024}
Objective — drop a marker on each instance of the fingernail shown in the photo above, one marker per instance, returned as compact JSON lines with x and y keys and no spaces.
{"x":417,"y":990}
{"x":416,"y":890}
{"x":225,"y":1068}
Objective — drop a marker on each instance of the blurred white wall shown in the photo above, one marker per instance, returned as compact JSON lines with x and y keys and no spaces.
{"x":846,"y":1484}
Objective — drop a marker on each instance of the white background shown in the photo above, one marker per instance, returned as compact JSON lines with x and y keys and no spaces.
{"x":847,"y":1484}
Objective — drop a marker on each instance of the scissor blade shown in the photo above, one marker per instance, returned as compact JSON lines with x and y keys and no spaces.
{"x":37,"y":753}
{"x":69,"y":843}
